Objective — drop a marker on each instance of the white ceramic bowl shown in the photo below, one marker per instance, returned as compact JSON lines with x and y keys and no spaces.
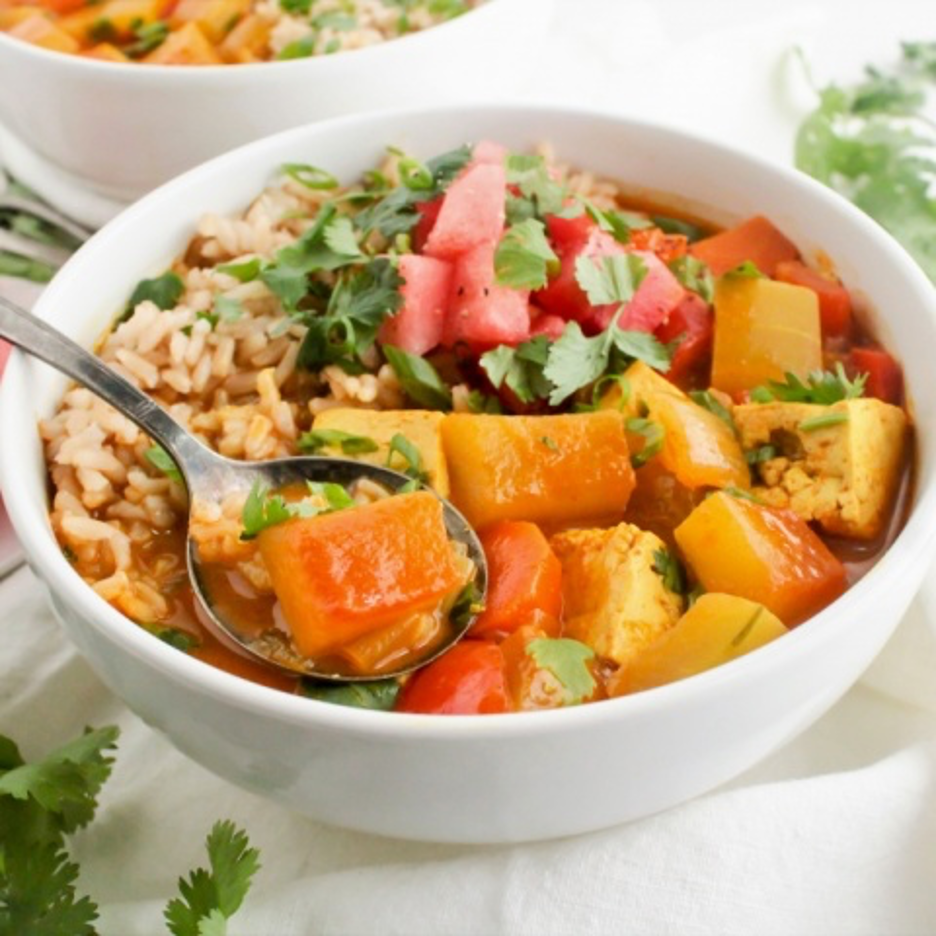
{"x":503,"y":777}
{"x":123,"y":129}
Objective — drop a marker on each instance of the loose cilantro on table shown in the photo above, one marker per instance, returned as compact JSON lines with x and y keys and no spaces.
{"x":873,"y":143}
{"x":568,"y":661}
{"x":524,"y":258}
{"x":211,"y":897}
{"x":419,"y":379}
{"x":350,"y":444}
{"x":822,"y":387}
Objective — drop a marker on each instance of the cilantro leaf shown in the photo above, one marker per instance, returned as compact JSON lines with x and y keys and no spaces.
{"x":666,"y":565}
{"x":694,"y":275}
{"x":159,"y":458}
{"x":575,"y":361}
{"x":707,"y":400}
{"x":396,"y":212}
{"x":380,"y":694}
{"x":618,"y":224}
{"x":540,"y":193}
{"x":873,"y":143}
{"x":822,"y":387}
{"x":400,"y":445}
{"x":653,"y":434}
{"x":358,"y":305}
{"x":262,"y":510}
{"x":335,"y":495}
{"x":610,"y":279}
{"x":209,"y":898}
{"x":420,"y":380}
{"x":350,"y":444}
{"x":244,"y":272}
{"x":179,"y":639}
{"x":310,"y":176}
{"x":524,"y":258}
{"x":164,"y":291}
{"x":567,"y":660}
{"x":522,"y":368}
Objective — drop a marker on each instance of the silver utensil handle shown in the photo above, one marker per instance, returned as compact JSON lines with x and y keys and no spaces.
{"x":48,"y":344}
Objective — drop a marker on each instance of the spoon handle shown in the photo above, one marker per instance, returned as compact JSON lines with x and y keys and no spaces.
{"x":48,"y":344}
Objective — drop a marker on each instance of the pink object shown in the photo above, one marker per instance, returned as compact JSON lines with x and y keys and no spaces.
{"x":417,"y":326}
{"x":5,"y":349}
{"x":487,"y":152}
{"x":481,"y":313}
{"x":472,"y":212}
{"x":549,"y":325}
{"x":658,"y":293}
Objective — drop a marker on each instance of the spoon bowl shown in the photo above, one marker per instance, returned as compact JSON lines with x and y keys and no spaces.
{"x":209,"y":477}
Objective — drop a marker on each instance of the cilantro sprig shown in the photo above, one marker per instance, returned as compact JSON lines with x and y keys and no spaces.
{"x":873,"y":143}
{"x":568,"y":661}
{"x":524,"y":259}
{"x":420,"y":381}
{"x":350,"y":444}
{"x":265,"y":508}
{"x":822,"y":387}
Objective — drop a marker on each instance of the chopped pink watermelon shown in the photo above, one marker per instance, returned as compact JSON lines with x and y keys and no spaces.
{"x":5,"y":350}
{"x":482,"y":314}
{"x":417,"y":325}
{"x":428,"y":211}
{"x":472,"y":212}
{"x":692,"y":322}
{"x":490,"y":153}
{"x":563,"y":296}
{"x":658,"y":293}
{"x":545,"y":324}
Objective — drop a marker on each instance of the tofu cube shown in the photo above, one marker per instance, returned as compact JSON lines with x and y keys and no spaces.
{"x":615,"y":600}
{"x":837,"y":465}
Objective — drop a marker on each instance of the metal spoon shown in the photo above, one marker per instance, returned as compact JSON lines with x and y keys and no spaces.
{"x":209,"y":477}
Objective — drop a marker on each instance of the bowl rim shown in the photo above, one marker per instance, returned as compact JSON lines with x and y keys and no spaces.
{"x":367,"y":56}
{"x":896,"y":569}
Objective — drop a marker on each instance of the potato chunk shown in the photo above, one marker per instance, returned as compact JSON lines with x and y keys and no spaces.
{"x":842,"y":475}
{"x":421,"y":427}
{"x":615,"y":600}
{"x":699,"y":448}
{"x":551,"y":470}
{"x":716,"y":629}
{"x":744,"y":548}
{"x":763,"y":329}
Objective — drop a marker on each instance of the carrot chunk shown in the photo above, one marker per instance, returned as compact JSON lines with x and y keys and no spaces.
{"x":524,"y":577}
{"x":755,"y":240}
{"x":344,"y":574}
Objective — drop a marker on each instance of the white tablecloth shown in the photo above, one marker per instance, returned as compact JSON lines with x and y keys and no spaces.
{"x":835,"y":834}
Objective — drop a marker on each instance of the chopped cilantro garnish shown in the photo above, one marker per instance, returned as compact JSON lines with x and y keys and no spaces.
{"x":694,"y":275}
{"x":822,"y":422}
{"x":707,"y":400}
{"x":164,"y":291}
{"x":823,"y":387}
{"x":761,"y":454}
{"x":413,"y":174}
{"x":264,"y":509}
{"x":316,"y":439}
{"x":568,"y":661}
{"x":227,"y":309}
{"x":157,"y":456}
{"x":666,"y":565}
{"x":540,"y":193}
{"x":524,"y":259}
{"x":742,"y":634}
{"x":520,"y":368}
{"x":379,"y":695}
{"x":740,"y":494}
{"x":419,"y":379}
{"x":617,"y":223}
{"x":179,"y":639}
{"x":334,"y":19}
{"x":653,"y":435}
{"x":244,"y":272}
{"x":335,"y":495}
{"x":746,"y":270}
{"x":361,"y":300}
{"x":479,"y":402}
{"x":549,"y":443}
{"x":148,"y":37}
{"x":299,"y":48}
{"x":610,"y":279}
{"x":669,"y":225}
{"x":412,"y":457}
{"x":310,"y":176}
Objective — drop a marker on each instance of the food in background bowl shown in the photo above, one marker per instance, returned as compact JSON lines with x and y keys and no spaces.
{"x":528,"y":775}
{"x":119,"y":130}
{"x":660,"y":431}
{"x":194,"y":32}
